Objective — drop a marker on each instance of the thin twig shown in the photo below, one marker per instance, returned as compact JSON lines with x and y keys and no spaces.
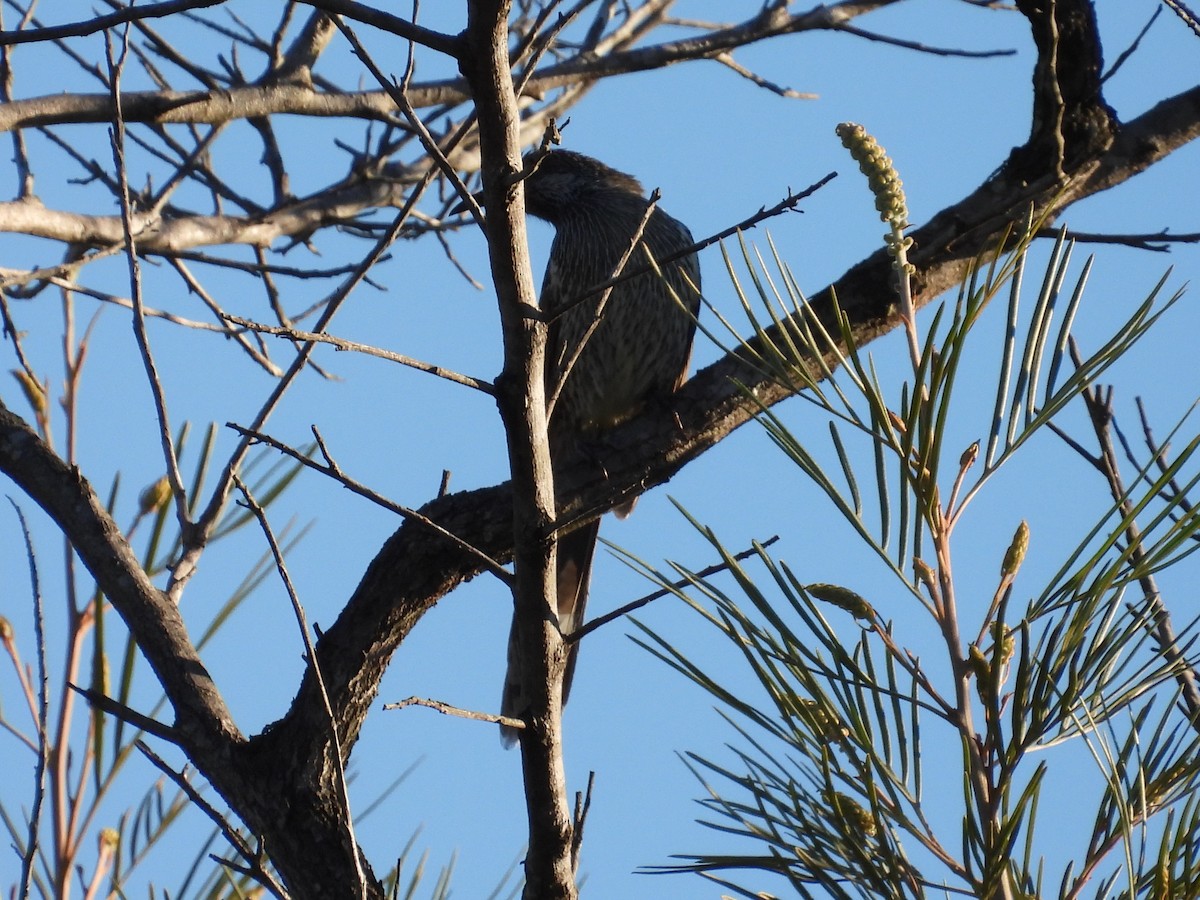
{"x":228,"y":831}
{"x":583,"y":805}
{"x":126,"y":303}
{"x":9,"y":330}
{"x":1125,"y":54}
{"x":118,"y":710}
{"x":1101,"y":415}
{"x":334,"y":471}
{"x":43,"y":710}
{"x":12,"y":281}
{"x":1158,"y":453}
{"x":920,"y":47}
{"x":453,"y":259}
{"x":788,"y":203}
{"x":727,"y":60}
{"x":186,"y":566}
{"x":1155,"y":241}
{"x":105,"y":22}
{"x":448,"y":710}
{"x":399,"y":95}
{"x":339,"y":757}
{"x":540,"y":43}
{"x":184,"y":170}
{"x":353,"y":346}
{"x":207,"y":299}
{"x":584,"y":630}
{"x":1187,"y":16}
{"x":20,"y":150}
{"x":402,"y":28}
{"x":117,"y":137}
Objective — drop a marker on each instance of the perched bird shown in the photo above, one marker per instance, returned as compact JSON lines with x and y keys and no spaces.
{"x":639,"y":351}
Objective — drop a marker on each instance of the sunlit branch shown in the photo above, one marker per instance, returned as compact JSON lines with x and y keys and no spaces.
{"x":342,"y":344}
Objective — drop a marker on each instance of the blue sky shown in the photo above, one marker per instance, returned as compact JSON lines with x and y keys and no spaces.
{"x":719,"y":149}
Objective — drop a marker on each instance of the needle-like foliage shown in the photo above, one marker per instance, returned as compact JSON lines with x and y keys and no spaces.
{"x":836,"y":769}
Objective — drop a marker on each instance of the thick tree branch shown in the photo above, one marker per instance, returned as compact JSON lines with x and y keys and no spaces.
{"x":103,"y":22}
{"x":435,"y":40}
{"x":280,"y":782}
{"x":216,"y":107}
{"x":521,"y":401}
{"x":201,"y":717}
{"x":401,"y":27}
{"x":651,"y":449}
{"x":156,"y":234}
{"x":297,"y":98}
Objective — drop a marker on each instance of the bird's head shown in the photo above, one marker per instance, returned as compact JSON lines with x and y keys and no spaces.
{"x":564,"y":181}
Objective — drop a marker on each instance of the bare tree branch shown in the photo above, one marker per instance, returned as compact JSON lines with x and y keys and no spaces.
{"x":342,"y":344}
{"x":1102,"y":417}
{"x":237,"y":102}
{"x":359,"y":11}
{"x":158,"y":628}
{"x":447,"y":710}
{"x":339,"y":756}
{"x":102,"y":23}
{"x":281,"y":782}
{"x":521,"y":402}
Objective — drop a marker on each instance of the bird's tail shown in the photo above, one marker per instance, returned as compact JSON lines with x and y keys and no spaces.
{"x":575,"y":552}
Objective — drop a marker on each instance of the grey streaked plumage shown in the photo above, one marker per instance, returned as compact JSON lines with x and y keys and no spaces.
{"x":638,"y":353}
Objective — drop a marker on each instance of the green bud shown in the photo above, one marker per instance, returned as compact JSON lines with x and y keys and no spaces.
{"x":850,"y":812}
{"x":842,"y":598}
{"x":979,"y":664}
{"x":155,"y":496}
{"x":881,"y":175}
{"x":34,"y":392}
{"x":969,"y":456}
{"x":1004,"y":642}
{"x":824,"y":723}
{"x":924,"y":572}
{"x":1015,"y":554}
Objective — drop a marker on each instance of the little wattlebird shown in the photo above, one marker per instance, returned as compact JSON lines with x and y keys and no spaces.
{"x":637,"y":353}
